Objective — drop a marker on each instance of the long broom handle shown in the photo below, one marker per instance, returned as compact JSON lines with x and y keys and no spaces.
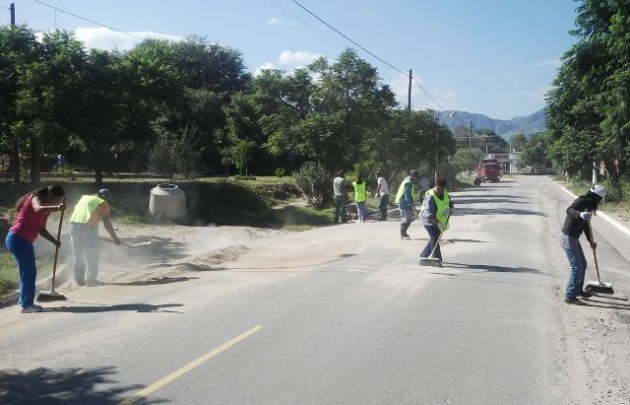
{"x":57,"y":247}
{"x":437,"y":243}
{"x":588,"y":224}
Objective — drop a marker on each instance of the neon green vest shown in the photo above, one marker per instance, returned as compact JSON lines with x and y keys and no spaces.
{"x":401,"y":191}
{"x":84,"y":208}
{"x":442,"y":205}
{"x":359,"y":191}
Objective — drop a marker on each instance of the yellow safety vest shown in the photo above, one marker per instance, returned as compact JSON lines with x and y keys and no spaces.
{"x":401,"y":191}
{"x":359,"y":191}
{"x":443,"y":206}
{"x":84,"y":208}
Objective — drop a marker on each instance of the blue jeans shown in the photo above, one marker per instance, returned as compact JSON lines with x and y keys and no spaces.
{"x":24,"y":253}
{"x":434,"y":234}
{"x":578,"y":263}
{"x":85,"y":250}
{"x":340,"y":208}
{"x":361,"y":210}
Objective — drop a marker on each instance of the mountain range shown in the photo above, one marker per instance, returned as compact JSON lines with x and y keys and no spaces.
{"x":528,"y":125}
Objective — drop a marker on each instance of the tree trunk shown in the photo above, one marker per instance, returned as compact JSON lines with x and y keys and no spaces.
{"x":36,"y":166}
{"x":98,"y":176}
{"x":16,"y":160}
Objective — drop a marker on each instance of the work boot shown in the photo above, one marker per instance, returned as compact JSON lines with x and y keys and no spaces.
{"x":405,"y":237}
{"x":573,"y":300}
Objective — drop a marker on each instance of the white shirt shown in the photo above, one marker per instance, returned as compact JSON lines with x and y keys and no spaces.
{"x":382,"y":187}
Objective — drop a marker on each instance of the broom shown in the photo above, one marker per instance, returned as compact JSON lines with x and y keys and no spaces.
{"x":431,"y":260}
{"x":52,"y":295}
{"x":597,"y":286}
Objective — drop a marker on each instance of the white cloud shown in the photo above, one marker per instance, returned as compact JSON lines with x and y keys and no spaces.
{"x":104,"y":38}
{"x":275,"y":21}
{"x":553,"y":63}
{"x":297,"y":58}
{"x":266,"y":66}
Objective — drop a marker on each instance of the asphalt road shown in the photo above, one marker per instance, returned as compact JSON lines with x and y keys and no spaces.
{"x":338,"y":315}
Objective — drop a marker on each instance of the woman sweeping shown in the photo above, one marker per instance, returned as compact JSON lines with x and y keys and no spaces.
{"x":32,"y":214}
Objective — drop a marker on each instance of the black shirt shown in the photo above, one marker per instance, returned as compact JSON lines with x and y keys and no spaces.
{"x":573,"y":224}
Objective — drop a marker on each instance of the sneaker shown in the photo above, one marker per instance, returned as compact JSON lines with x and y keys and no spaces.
{"x":405,"y":237}
{"x":31,"y":309}
{"x":574,"y":301}
{"x":585,"y":294}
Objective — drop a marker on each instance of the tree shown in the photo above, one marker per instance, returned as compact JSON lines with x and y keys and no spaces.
{"x":518,"y":142}
{"x":467,"y":159}
{"x":19,"y":53}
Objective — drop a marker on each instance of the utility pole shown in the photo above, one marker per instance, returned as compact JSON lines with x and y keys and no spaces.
{"x":12,"y":8}
{"x":470,"y":136}
{"x":409,"y":93}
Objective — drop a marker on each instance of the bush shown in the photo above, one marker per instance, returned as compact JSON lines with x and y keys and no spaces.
{"x":315,"y":184}
{"x":280,"y":172}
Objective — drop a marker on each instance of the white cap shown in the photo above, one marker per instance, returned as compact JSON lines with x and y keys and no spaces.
{"x":599,"y":190}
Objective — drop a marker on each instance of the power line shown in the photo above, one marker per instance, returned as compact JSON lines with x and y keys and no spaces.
{"x":349,"y":39}
{"x":303,"y":21}
{"x":87,"y":19}
{"x":369,"y":52}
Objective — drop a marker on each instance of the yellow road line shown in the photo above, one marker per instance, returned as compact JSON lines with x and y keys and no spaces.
{"x":175,"y":375}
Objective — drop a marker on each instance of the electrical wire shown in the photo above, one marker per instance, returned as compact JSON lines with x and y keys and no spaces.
{"x":87,"y":19}
{"x":305,"y":22}
{"x":368,"y":52}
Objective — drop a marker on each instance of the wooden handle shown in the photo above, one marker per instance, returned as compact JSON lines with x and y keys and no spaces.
{"x":57,"y":247}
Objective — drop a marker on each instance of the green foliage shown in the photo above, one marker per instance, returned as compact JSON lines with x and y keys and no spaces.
{"x":315,"y":184}
{"x":535,"y":152}
{"x":467,"y":159}
{"x":588,"y":108}
{"x":280,"y":172}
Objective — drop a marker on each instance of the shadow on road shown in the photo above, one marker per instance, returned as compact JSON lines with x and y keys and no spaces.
{"x":68,"y":386}
{"x":600,"y":301}
{"x":490,"y":268}
{"x":495,"y":211}
{"x":467,"y":200}
{"x":155,"y":281}
{"x":122,"y":307}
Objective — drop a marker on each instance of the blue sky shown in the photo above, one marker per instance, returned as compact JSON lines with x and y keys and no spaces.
{"x":492,"y":57}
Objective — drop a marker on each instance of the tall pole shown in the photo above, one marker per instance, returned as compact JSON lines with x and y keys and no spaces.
{"x":470,"y":136}
{"x":436,"y":148}
{"x":409,"y":92}
{"x":12,"y":8}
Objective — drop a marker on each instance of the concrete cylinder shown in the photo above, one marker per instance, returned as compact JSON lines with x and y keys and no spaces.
{"x":168,"y":201}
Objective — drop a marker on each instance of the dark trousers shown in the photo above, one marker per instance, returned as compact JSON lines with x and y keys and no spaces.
{"x":382,"y":207}
{"x":434,"y":234}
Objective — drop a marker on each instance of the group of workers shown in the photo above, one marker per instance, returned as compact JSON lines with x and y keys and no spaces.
{"x":437,"y":207}
{"x":435,"y":211}
{"x":32,"y":211}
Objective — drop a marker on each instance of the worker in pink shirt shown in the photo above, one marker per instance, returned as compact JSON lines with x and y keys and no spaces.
{"x":32,"y":214}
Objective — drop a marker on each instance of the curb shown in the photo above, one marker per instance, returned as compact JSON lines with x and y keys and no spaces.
{"x":606,"y":217}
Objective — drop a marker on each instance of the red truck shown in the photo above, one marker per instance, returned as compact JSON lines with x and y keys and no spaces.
{"x":489,"y":170}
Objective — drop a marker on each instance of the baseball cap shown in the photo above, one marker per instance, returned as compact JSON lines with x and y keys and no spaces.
{"x":105,"y":194}
{"x":599,"y":190}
